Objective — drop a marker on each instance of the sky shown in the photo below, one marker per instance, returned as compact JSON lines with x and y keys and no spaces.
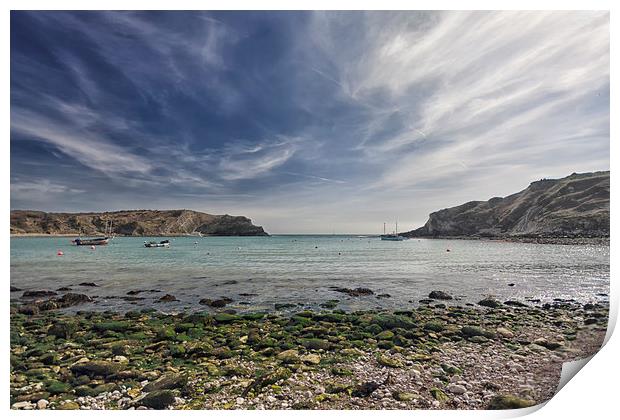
{"x":305,"y":122}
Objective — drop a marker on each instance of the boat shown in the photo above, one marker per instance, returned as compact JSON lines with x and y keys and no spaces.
{"x":154,"y":244}
{"x":392,"y":236}
{"x":103,"y":240}
{"x":92,"y":241}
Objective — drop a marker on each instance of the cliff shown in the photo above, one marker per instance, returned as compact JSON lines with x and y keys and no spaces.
{"x":575,"y":206}
{"x":133,"y":223}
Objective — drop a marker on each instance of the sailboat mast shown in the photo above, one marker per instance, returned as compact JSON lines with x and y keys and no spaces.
{"x":384,"y":228}
{"x":396,"y":228}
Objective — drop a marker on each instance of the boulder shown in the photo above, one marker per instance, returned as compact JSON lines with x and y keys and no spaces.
{"x":490,"y":303}
{"x":95,"y":368}
{"x":289,"y":356}
{"x":438,"y":294}
{"x":167,"y":381}
{"x":158,"y":400}
{"x":507,"y":402}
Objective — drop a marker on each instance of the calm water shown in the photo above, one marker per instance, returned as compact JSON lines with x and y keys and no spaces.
{"x":300,"y":269}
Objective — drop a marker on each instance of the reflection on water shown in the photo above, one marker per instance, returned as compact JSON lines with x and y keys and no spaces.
{"x":300,"y":269}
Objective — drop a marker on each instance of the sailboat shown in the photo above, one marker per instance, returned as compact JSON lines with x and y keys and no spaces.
{"x":392,"y":236}
{"x":96,"y":241}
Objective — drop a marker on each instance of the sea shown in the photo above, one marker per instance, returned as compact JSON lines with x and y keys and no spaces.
{"x":303,"y":270}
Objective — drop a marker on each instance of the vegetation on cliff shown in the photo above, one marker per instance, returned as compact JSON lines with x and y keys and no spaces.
{"x":133,"y":223}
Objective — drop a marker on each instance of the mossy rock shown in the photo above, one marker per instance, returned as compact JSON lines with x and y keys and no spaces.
{"x":49,"y":359}
{"x":165,"y":333}
{"x":195,"y":333}
{"x":439,"y":395}
{"x":436,"y":326}
{"x":221,"y":352}
{"x":62,"y":329}
{"x":341,"y":371}
{"x":255,"y":316}
{"x":333,"y":317}
{"x":85,"y":391}
{"x":55,"y":387}
{"x":387,"y":361}
{"x":224,"y":318}
{"x":100,"y":389}
{"x":158,"y":400}
{"x":404,"y":396}
{"x":68,"y":405}
{"x":95,"y":368}
{"x":451,"y":370}
{"x":183,"y":327}
{"x":177,"y":350}
{"x":116,"y":326}
{"x":288,"y":356}
{"x":473,"y":331}
{"x":388,"y":321}
{"x":385,"y":335}
{"x":338,"y":388}
{"x":507,"y":402}
{"x":170,"y":380}
{"x":385,"y":345}
{"x":316,"y":344}
{"x":280,"y":374}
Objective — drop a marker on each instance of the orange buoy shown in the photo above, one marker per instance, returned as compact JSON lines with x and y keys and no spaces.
{"x":60,"y":253}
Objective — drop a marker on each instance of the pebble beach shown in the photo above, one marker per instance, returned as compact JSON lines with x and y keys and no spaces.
{"x":439,"y":355}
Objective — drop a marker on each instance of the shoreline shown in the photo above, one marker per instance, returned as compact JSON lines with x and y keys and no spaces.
{"x":529,"y":240}
{"x":436,"y":356}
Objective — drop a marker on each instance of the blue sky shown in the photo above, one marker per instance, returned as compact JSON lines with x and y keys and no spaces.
{"x":303,"y":121}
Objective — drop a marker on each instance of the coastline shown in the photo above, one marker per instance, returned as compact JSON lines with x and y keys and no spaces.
{"x":172,"y":235}
{"x":559,"y":240}
{"x":437,"y":356}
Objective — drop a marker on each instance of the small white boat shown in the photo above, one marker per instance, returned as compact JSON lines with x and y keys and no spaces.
{"x":154,"y":244}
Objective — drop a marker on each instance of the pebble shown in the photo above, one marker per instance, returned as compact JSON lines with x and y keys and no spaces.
{"x":457,"y":389}
{"x":23,"y":405}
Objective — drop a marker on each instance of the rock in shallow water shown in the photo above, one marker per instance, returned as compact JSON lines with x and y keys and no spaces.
{"x":490,"y":303}
{"x":438,"y":294}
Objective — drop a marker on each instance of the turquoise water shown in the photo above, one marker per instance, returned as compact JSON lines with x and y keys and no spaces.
{"x":301,"y":269}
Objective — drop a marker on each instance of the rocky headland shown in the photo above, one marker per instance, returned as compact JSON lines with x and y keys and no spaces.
{"x":133,"y":223}
{"x":549,"y":210}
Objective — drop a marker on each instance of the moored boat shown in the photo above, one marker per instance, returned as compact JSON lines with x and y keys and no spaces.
{"x":392,"y":236}
{"x":96,"y":241}
{"x":92,"y":241}
{"x":155,"y":244}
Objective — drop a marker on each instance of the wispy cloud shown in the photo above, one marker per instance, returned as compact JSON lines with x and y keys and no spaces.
{"x":471,"y":83}
{"x":340,"y":118}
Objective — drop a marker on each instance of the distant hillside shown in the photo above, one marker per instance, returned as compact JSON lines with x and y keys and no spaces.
{"x":575,"y":206}
{"x":133,"y":223}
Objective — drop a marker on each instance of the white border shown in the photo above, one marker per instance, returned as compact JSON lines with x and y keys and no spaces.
{"x":592,"y":395}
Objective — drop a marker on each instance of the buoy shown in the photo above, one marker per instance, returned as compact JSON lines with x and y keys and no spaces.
{"x":92,"y":247}
{"x":60,"y":253}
